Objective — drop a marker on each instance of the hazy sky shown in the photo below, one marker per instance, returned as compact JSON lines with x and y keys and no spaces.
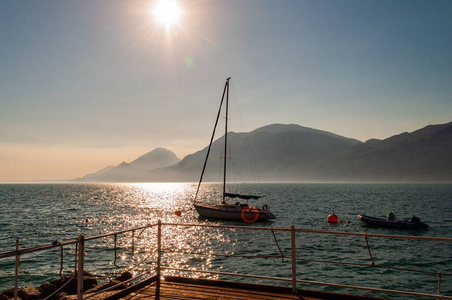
{"x":90,"y":83}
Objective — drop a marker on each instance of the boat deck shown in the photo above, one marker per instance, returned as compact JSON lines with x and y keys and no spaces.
{"x":201,"y":289}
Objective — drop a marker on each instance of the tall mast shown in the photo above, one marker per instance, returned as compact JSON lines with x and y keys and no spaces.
{"x":211,"y":140}
{"x":225,"y":140}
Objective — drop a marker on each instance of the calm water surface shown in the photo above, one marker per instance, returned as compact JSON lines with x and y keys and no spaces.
{"x":42,"y":213}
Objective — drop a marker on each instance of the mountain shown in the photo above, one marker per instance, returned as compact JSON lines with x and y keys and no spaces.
{"x":95,"y":176}
{"x":424,"y":155}
{"x":277,"y":153}
{"x":137,"y":170}
{"x":292,"y":153}
{"x":157,"y":158}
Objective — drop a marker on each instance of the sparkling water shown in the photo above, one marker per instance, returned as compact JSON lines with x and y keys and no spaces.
{"x":38,"y":214}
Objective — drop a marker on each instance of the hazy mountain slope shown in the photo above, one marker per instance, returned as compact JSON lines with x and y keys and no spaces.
{"x":97,"y":174}
{"x":423,"y":155}
{"x":124,"y":172}
{"x":278,"y":151}
{"x":138,"y":170}
{"x":292,"y":153}
{"x":157,"y":158}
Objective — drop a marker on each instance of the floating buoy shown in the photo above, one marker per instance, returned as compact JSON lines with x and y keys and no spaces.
{"x":178,"y":213}
{"x":332,"y":218}
{"x":340,"y":221}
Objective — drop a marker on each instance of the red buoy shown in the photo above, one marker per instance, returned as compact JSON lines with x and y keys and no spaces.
{"x":178,"y":213}
{"x":332,"y":218}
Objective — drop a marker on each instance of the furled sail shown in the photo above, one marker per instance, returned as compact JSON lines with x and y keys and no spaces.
{"x":247,"y":197}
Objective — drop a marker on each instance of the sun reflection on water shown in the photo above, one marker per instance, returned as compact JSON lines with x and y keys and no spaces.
{"x":141,"y":204}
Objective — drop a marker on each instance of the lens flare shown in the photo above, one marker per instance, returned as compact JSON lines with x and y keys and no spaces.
{"x":167,"y":12}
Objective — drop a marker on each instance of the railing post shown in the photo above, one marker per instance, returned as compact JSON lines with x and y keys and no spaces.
{"x":81,"y":250}
{"x":16,"y":273}
{"x":76,"y":256}
{"x":159,"y":258}
{"x":294,"y":263}
{"x":439,"y":283}
{"x":133,"y":242}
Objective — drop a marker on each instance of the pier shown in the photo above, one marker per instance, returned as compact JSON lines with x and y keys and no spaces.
{"x":163,"y":280}
{"x":173,"y":287}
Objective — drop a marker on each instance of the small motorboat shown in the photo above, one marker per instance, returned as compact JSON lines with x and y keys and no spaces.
{"x":391,"y":221}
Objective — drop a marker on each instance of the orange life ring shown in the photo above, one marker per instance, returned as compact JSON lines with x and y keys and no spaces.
{"x":247,"y":214}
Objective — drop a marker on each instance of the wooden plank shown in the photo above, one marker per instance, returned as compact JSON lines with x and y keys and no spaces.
{"x":133,"y":288}
{"x":210,"y":292}
{"x":174,"y":287}
{"x":176,"y":290}
{"x":280,"y":290}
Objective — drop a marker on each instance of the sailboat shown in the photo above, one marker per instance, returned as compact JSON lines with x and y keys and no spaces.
{"x":225,"y":210}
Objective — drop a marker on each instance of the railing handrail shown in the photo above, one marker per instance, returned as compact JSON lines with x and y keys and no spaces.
{"x":411,"y":237}
{"x":81,"y":240}
{"x":363,"y":234}
{"x":65,"y":243}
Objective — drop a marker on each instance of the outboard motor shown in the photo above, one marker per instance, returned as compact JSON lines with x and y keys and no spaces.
{"x":415,"y":220}
{"x":392,"y":217}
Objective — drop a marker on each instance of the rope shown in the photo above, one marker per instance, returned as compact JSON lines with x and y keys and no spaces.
{"x":141,"y":262}
{"x":370,"y":254}
{"x":249,"y":152}
{"x":276,"y":241}
{"x":116,"y":285}
{"x":211,"y":140}
{"x":133,"y":267}
{"x":141,"y":232}
{"x":59,"y":289}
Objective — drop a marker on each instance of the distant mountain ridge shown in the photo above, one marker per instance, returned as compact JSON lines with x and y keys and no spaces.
{"x":157,"y":158}
{"x":424,"y":155}
{"x":279,"y":153}
{"x":136,"y":170}
{"x":292,"y":153}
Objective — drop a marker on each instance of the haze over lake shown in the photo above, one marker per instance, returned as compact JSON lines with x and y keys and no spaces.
{"x":291,"y":153}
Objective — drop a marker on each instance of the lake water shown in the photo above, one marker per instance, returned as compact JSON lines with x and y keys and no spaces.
{"x":39,"y":214}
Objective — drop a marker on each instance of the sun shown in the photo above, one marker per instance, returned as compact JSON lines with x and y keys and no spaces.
{"x":167,"y":12}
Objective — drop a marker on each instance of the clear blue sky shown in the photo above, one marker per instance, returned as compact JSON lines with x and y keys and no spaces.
{"x":90,"y":83}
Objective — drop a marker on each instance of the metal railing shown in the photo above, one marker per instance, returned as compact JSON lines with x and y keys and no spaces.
{"x":79,"y":244}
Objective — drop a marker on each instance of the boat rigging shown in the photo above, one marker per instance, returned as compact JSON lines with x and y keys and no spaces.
{"x":224,"y":210}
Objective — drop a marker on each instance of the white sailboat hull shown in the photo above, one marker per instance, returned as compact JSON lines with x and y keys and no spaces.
{"x":233,"y":212}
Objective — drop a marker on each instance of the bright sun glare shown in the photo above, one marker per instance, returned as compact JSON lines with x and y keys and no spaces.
{"x":167,"y":12}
